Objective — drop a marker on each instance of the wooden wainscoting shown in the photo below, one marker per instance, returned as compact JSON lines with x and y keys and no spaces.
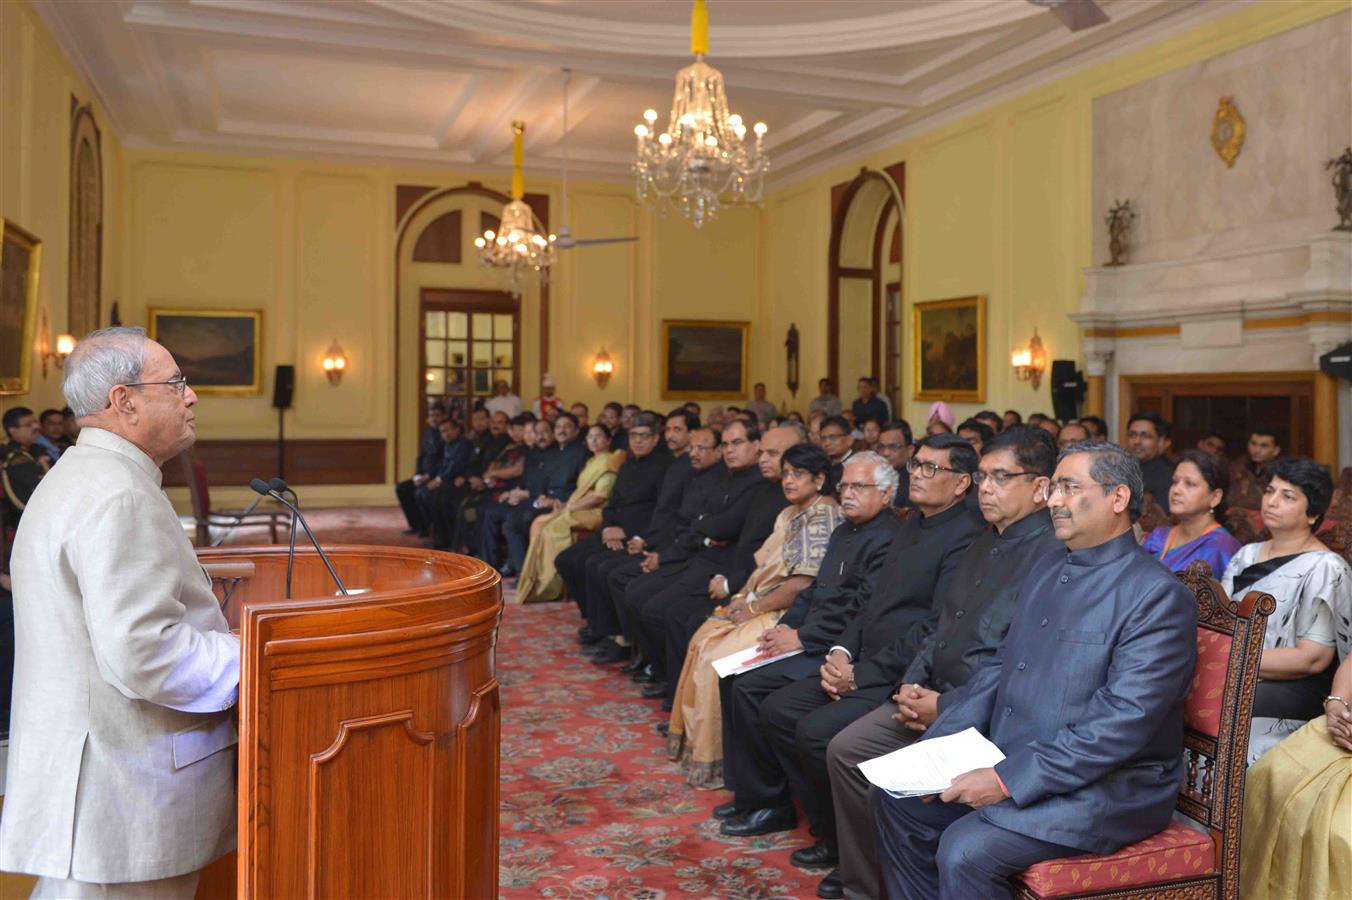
{"x":308,"y":461}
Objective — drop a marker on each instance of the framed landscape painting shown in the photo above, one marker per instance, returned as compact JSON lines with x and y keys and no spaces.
{"x":704,"y":360}
{"x":949,"y":350}
{"x":218,"y":350}
{"x":20,"y":260}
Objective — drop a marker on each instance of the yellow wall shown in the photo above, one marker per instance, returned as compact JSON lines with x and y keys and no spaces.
{"x":36,"y":86}
{"x":998,"y":203}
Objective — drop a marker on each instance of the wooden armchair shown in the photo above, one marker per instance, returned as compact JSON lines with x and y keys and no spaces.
{"x":195,"y":474}
{"x":1182,"y":862}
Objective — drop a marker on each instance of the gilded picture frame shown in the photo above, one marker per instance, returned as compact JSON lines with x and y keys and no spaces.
{"x":705,"y":359}
{"x":948,"y":350}
{"x":20,"y":268}
{"x":219,"y":351}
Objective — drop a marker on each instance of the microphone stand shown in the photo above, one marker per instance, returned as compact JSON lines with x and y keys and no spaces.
{"x":239,"y":520}
{"x":298,"y":517}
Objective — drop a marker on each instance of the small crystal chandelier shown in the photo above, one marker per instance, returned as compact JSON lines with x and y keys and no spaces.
{"x":518,"y":246}
{"x":704,"y":159}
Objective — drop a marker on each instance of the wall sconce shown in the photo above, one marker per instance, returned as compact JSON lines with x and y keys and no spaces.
{"x":602,"y":368}
{"x":335,"y":362}
{"x":65,"y":343}
{"x":1029,"y":364}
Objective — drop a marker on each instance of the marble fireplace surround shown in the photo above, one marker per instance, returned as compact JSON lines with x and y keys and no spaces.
{"x":1272,"y":308}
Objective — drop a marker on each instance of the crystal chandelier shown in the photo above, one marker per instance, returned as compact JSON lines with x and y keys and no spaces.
{"x":704,"y":159}
{"x":517,"y":246}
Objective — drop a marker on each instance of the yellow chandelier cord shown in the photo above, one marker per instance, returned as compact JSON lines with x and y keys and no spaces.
{"x":699,"y":29}
{"x":518,"y":154}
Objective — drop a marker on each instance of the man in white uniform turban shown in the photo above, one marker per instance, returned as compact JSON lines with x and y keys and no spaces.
{"x":125,"y":671}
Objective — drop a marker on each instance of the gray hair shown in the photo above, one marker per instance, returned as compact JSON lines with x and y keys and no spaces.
{"x":799,"y":432}
{"x":104,"y":359}
{"x":1112,"y":466}
{"x":883,"y":474}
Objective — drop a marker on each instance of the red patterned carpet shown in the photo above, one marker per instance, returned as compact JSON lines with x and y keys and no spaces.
{"x":591,"y":808}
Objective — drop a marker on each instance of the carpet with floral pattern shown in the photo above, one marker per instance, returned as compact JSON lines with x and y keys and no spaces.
{"x":591,"y":807}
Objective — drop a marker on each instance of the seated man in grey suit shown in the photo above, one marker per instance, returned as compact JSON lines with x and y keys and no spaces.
{"x":1085,"y":698}
{"x":125,"y":670}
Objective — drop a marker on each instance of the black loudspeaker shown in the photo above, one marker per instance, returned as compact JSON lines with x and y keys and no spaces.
{"x":1067,"y":390}
{"x":1338,"y":361}
{"x":283,"y":386}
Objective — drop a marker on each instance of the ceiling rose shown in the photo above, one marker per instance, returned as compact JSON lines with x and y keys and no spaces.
{"x":705,"y":159}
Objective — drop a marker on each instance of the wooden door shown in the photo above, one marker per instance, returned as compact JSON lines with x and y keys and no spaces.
{"x":467,"y":340}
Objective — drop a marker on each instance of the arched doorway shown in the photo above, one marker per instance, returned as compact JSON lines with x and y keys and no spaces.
{"x":864,"y":327}
{"x":446,"y":302}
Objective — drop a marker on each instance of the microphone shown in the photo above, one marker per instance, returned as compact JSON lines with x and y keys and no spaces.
{"x":268,"y":488}
{"x":282,"y":487}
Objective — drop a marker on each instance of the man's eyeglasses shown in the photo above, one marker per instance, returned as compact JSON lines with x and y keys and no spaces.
{"x":855,"y":487}
{"x":180,"y":384}
{"x":1068,"y":488}
{"x":927,"y":469}
{"x":736,"y":442}
{"x":999,"y":476}
{"x":642,"y":434}
{"x":892,"y":448}
{"x":833,"y":435}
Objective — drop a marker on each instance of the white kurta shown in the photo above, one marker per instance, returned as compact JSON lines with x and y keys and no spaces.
{"x":125,"y":674}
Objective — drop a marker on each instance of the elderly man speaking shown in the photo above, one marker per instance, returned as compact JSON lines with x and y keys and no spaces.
{"x":125,"y":670}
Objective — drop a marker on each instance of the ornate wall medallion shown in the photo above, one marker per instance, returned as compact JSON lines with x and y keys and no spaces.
{"x":1227,"y":132}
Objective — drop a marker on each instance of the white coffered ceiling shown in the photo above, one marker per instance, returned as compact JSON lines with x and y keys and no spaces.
{"x":438,"y":81}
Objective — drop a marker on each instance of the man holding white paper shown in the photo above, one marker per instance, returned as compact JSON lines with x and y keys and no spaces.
{"x":1085,"y":698}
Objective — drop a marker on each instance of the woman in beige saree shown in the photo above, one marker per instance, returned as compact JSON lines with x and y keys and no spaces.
{"x":552,"y":532}
{"x":785,"y":564}
{"x":1298,"y":808}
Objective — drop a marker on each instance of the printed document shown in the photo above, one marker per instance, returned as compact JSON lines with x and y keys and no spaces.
{"x":746,"y":660}
{"x":929,"y":767}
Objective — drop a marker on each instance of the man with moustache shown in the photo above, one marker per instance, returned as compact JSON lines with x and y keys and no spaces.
{"x":1085,"y":698}
{"x":1147,"y":439}
{"x":1071,"y":433}
{"x":974,"y":614}
{"x":718,"y":573}
{"x":863,"y":666}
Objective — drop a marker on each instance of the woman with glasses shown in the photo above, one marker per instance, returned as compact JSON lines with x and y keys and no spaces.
{"x":552,"y":533}
{"x":1197,"y":500}
{"x":785,"y":564}
{"x":1312,"y":625}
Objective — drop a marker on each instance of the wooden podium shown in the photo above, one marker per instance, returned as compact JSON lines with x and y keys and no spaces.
{"x":368,"y":725}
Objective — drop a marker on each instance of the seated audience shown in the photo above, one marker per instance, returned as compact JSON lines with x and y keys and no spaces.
{"x":629,"y":508}
{"x":1248,"y":474}
{"x":1297,"y":828}
{"x":869,"y":405}
{"x":940,"y":419}
{"x":869,"y":432}
{"x":52,"y":434}
{"x":503,"y":400}
{"x":612,"y":416}
{"x":796,"y":720}
{"x":763,"y":409}
{"x":785,"y":564}
{"x":836,"y":439}
{"x":1146,"y":434}
{"x":1073,"y":433}
{"x":502,"y":474}
{"x":1046,"y":423}
{"x":429,"y":461}
{"x":974,"y":614}
{"x":1097,"y":428}
{"x":439,"y":496}
{"x":551,"y":474}
{"x":549,"y":404}
{"x":1214,"y":443}
{"x":992,"y":420}
{"x":1197,"y":499}
{"x":22,"y":465}
{"x":826,"y":403}
{"x":895,"y":444}
{"x":848,"y":575}
{"x":1103,"y":644}
{"x":70,"y":426}
{"x":692,"y":407}
{"x":583,"y":414}
{"x":975,"y":433}
{"x":552,"y":531}
{"x":1312,"y":625}
{"x":1012,"y":417}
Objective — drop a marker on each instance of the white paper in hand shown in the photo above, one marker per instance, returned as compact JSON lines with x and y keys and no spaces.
{"x":929,"y":767}
{"x":746,"y":660}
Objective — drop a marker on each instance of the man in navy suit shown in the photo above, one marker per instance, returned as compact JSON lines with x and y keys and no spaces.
{"x":1085,"y":698}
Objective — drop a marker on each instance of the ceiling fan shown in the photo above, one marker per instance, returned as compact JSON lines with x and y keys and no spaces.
{"x":564,"y":236}
{"x":1074,"y":14}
